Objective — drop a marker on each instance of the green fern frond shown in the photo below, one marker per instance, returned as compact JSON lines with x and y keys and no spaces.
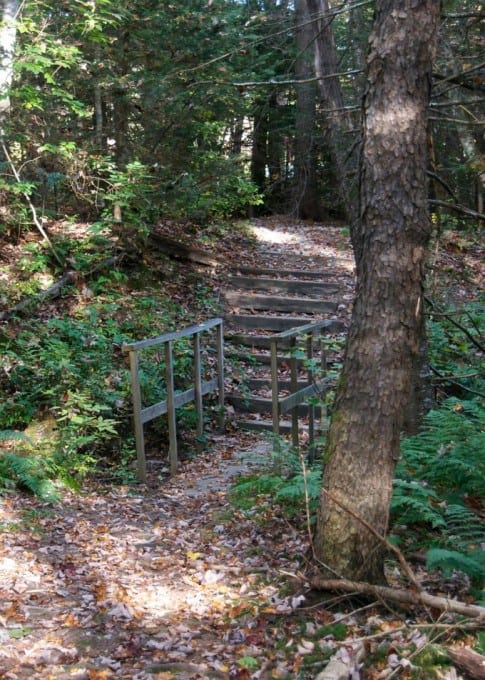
{"x":448,"y":561}
{"x":26,"y":472}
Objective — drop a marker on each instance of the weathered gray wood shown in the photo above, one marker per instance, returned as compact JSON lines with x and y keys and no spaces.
{"x":284,"y":286}
{"x":264,"y":341}
{"x":263,"y":322}
{"x":284,"y":426}
{"x":220,"y":373}
{"x":172,"y":423}
{"x":137,"y":418}
{"x":280,"y":304}
{"x":198,"y":389}
{"x":173,"y":400}
{"x":182,"y":251}
{"x":294,"y":273}
{"x":179,"y":399}
{"x":254,"y":404}
{"x":175,"y":335}
{"x":295,"y":395}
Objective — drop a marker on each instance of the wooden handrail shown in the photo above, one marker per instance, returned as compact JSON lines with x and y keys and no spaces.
{"x":142,"y":415}
{"x":297,"y":396}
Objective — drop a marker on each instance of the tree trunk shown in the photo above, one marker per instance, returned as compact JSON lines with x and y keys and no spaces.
{"x":337,"y":120}
{"x":385,"y":334}
{"x":8,"y":14}
{"x":306,"y":200}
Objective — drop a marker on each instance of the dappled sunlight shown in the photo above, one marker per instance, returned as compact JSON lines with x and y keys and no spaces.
{"x":394,"y":119}
{"x":266,"y":235}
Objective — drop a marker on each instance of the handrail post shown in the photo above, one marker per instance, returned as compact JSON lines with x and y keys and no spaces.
{"x":311,"y":405}
{"x":220,"y":373}
{"x":274,"y":387}
{"x":198,"y":390}
{"x":139,"y":436}
{"x":172,"y":423}
{"x":294,"y":388}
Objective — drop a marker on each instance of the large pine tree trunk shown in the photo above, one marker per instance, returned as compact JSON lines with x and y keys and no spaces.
{"x":386,"y":330}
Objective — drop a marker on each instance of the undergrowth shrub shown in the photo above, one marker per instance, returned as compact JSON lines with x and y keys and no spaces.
{"x":284,"y":479}
{"x":439,"y":483}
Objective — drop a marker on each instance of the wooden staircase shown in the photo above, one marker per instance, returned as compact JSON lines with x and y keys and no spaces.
{"x":261,"y":304}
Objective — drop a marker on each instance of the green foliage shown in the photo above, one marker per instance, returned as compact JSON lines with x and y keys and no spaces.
{"x":28,"y":472}
{"x":441,"y":471}
{"x":285,"y":480}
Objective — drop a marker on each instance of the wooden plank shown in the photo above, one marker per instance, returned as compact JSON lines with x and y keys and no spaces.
{"x":281,"y":304}
{"x":137,"y":418}
{"x":172,"y":422}
{"x":198,"y":390}
{"x":253,"y":404}
{"x":284,"y":426}
{"x":261,"y":321}
{"x":175,"y":335}
{"x":264,"y":341}
{"x":179,"y":399}
{"x":284,"y":286}
{"x":295,"y":273}
{"x":182,"y":251}
{"x":296,"y":398}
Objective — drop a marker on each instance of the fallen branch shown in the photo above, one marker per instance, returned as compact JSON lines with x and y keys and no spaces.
{"x":54,"y":290}
{"x":469,"y":661}
{"x":410,"y":597}
{"x":182,"y":251}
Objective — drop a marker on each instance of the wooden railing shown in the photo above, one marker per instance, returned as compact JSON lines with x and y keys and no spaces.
{"x":313,"y":388}
{"x":174,"y":400}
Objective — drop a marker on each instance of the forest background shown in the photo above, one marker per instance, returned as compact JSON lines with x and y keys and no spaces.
{"x":117,"y":117}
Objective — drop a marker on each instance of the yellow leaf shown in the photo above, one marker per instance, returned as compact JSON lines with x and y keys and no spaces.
{"x":193,"y":555}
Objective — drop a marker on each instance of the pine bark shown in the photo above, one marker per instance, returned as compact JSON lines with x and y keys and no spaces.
{"x":390,"y":241}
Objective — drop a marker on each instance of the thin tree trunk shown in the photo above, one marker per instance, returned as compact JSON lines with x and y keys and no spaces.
{"x":8,"y":14}
{"x":306,"y":200}
{"x":386,"y":329}
{"x":338,"y":123}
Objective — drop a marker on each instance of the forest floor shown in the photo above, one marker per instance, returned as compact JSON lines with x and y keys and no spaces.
{"x":171,"y":580}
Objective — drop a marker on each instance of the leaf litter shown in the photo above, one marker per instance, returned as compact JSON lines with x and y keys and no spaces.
{"x":171,"y":581}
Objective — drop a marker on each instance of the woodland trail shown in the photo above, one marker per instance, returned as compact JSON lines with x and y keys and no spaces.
{"x":167,"y":580}
{"x":172,"y":580}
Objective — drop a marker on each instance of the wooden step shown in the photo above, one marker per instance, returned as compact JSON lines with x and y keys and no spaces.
{"x":284,"y":286}
{"x":251,"y":404}
{"x":280,"y":304}
{"x":261,"y":425}
{"x":332,"y":326}
{"x":291,"y":273}
{"x":266,"y":322}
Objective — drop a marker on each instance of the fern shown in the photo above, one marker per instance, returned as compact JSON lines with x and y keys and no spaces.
{"x":440,"y":470}
{"x":26,"y":472}
{"x":449,"y":561}
{"x":414,"y":503}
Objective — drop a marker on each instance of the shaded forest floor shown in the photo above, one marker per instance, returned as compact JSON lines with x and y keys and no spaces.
{"x":172,"y":580}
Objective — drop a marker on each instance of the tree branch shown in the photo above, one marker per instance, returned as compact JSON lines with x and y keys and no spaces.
{"x":36,"y":220}
{"x":457,"y":208}
{"x":410,"y":597}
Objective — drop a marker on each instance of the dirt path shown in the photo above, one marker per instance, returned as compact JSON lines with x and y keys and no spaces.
{"x":165,"y":581}
{"x":171,"y":580}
